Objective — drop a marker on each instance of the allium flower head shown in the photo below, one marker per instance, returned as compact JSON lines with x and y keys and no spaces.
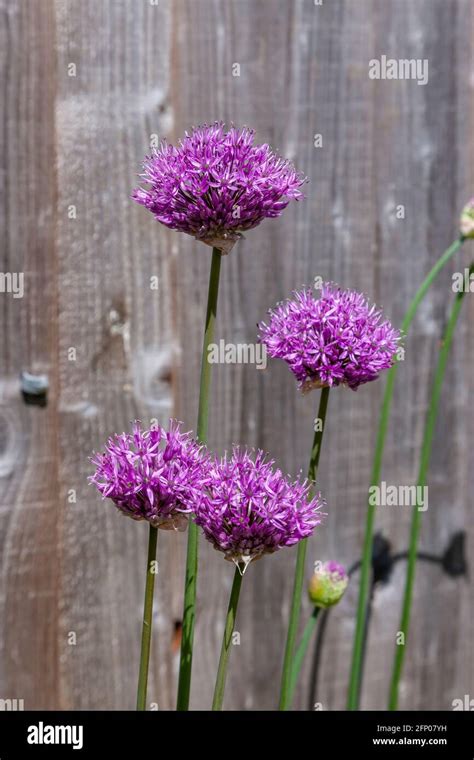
{"x":248,"y":508}
{"x":151,"y":474}
{"x":338,"y":338}
{"x":328,"y":585}
{"x":467,"y":220}
{"x":217,"y":184}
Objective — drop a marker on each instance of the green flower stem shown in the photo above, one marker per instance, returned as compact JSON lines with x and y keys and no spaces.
{"x":302,"y":649}
{"x":422,"y":478}
{"x":226,"y":641}
{"x":147,"y":619}
{"x":357,"y":654}
{"x":189,"y":612}
{"x":285,"y":689}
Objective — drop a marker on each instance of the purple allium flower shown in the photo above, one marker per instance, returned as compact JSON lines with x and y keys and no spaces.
{"x":338,"y":338}
{"x":151,"y":474}
{"x":248,"y":508}
{"x":216,"y":184}
{"x":328,"y":584}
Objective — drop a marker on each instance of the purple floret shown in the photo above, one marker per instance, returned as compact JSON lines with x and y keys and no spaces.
{"x":336,"y":339}
{"x":151,"y":474}
{"x":216,"y":184}
{"x":336,"y":569}
{"x":248,"y":508}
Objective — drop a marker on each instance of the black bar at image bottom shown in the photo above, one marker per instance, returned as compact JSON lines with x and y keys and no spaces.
{"x":375,"y":734}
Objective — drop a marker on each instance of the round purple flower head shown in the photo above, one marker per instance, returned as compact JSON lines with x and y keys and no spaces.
{"x":338,"y":338}
{"x":248,"y":508}
{"x":151,"y":474}
{"x":216,"y":184}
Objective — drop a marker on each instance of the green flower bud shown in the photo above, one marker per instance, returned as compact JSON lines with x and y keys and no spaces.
{"x":467,"y":220}
{"x":328,"y":584}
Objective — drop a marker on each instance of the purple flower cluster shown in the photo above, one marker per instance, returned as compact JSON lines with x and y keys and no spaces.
{"x":151,"y":474}
{"x":338,"y":338}
{"x":216,"y":184}
{"x":245,"y":507}
{"x":248,"y":508}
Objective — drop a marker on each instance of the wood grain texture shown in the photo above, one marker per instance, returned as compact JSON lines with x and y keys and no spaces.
{"x":69,"y":564}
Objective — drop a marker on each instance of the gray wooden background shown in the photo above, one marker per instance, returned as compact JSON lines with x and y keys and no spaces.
{"x":144,"y":69}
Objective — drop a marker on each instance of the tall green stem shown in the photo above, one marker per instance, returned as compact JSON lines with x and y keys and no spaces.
{"x":147,"y":619}
{"x":226,"y":641}
{"x":417,"y":511}
{"x":357,"y":654}
{"x":285,"y":689}
{"x":302,"y":649}
{"x":184,"y":683}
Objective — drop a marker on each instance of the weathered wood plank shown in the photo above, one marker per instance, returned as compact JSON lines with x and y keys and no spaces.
{"x":29,"y":591}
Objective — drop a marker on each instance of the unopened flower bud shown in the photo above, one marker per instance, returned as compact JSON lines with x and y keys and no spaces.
{"x":467,"y":220}
{"x":328,"y":584}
